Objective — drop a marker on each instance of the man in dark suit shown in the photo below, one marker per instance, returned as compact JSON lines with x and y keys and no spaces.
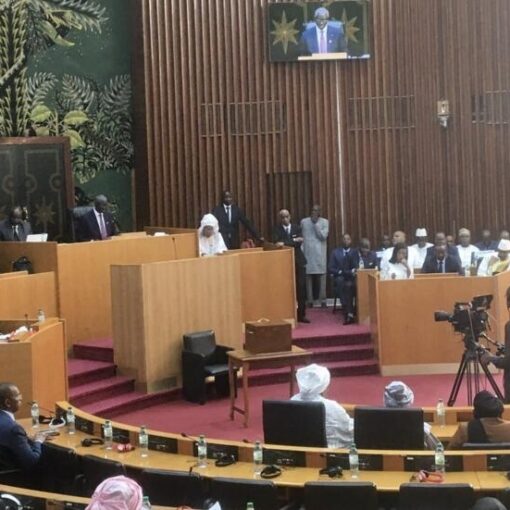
{"x":343,"y":276}
{"x":487,"y":244}
{"x":441,"y":262}
{"x":289,"y":234}
{"x":229,"y":215}
{"x":17,"y":451}
{"x":440,"y":240}
{"x":98,"y":224}
{"x":13,"y":228}
{"x":323,"y":36}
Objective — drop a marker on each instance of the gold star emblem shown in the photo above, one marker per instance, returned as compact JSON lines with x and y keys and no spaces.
{"x":285,"y":32}
{"x":44,"y":213}
{"x":350,"y":27}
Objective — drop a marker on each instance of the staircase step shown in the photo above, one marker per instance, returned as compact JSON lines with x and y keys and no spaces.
{"x":81,"y":371}
{"x":342,"y":353}
{"x":100,"y":390}
{"x":129,"y":402}
{"x":100,"y":349}
{"x":330,"y":341}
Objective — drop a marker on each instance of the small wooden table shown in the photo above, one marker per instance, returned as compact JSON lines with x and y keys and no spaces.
{"x":245,"y":360}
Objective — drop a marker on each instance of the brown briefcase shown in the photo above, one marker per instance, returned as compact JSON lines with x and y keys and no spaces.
{"x":268,"y":336}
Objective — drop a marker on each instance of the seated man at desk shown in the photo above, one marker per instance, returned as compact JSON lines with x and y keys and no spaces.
{"x":313,"y":381}
{"x":441,"y":262}
{"x":17,"y":451}
{"x":492,"y":265}
{"x":14,"y":228}
{"x":487,"y":426}
{"x":97,"y":224}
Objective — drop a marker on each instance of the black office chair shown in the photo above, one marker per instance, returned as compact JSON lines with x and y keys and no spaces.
{"x":234,"y":494}
{"x":95,"y":470}
{"x":60,"y":467}
{"x":448,"y":496}
{"x":486,"y":446}
{"x":294,"y":423}
{"x":340,"y":496}
{"x":379,"y":428}
{"x":202,"y":358}
{"x":173,"y":488}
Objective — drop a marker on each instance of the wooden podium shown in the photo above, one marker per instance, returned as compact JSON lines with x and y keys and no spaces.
{"x":36,"y":363}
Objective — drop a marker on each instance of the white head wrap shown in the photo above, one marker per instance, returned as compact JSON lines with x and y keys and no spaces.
{"x":504,"y":245}
{"x":117,"y":493}
{"x":421,"y":232}
{"x":209,"y":220}
{"x":312,"y":380}
{"x":398,"y":394}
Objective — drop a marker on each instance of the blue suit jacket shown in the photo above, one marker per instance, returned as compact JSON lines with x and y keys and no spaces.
{"x":335,"y":38}
{"x":16,"y":449}
{"x":339,"y":263}
{"x":88,"y":228}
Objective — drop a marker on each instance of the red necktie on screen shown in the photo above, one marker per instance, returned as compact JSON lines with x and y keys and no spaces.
{"x":323,"y":47}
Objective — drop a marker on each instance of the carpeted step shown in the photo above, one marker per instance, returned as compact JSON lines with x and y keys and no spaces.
{"x":100,"y":390}
{"x":100,"y":349}
{"x":337,"y":369}
{"x":82,"y":371}
{"x":129,"y":402}
{"x":329,"y":341}
{"x":342,"y":353}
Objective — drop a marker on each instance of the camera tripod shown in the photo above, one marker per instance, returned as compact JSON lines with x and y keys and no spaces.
{"x":470,"y":367}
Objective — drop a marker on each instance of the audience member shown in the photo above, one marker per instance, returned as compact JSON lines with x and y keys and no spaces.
{"x":399,"y":237}
{"x":210,"y":241}
{"x":14,"y":228}
{"x":385,"y":242}
{"x":440,"y":240}
{"x":442,"y":262}
{"x":420,"y":247}
{"x":289,"y":234}
{"x":17,"y":451}
{"x":315,"y":231}
{"x":450,"y":241}
{"x":313,"y":381}
{"x":398,"y":395}
{"x":117,"y":493}
{"x":487,"y":426}
{"x":487,"y":243}
{"x":248,"y":242}
{"x":467,"y":251}
{"x":98,"y":224}
{"x":398,"y":266}
{"x":229,"y":215}
{"x":495,"y":264}
{"x":343,"y":279}
{"x":488,"y":503}
{"x":504,"y":234}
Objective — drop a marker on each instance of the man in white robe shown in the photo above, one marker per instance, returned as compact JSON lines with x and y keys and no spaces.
{"x":420,"y":247}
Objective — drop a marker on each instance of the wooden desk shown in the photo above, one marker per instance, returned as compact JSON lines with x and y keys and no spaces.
{"x":245,"y":360}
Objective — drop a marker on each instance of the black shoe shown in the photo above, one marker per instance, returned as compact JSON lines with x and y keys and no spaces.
{"x":304,"y":319}
{"x":349,"y":320}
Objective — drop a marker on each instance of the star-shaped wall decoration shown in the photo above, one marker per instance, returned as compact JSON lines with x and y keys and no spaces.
{"x":350,"y":27}
{"x":285,"y":32}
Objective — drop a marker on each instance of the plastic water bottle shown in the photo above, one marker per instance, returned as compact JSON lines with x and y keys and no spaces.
{"x":257,"y":458}
{"x":71,"y":421}
{"x":202,"y":452}
{"x":441,"y":413}
{"x":41,"y":317}
{"x":146,"y":504}
{"x":108,"y":435}
{"x":439,"y":458}
{"x":361,"y":263}
{"x":250,"y":506}
{"x":143,"y":441}
{"x":353,"y":461}
{"x":34,"y":412}
{"x":467,"y":271}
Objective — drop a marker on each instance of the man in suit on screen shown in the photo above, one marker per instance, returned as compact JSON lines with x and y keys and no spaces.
{"x":229,"y":216}
{"x":322,"y":35}
{"x":289,"y":234}
{"x":14,"y":228}
{"x":98,"y":224}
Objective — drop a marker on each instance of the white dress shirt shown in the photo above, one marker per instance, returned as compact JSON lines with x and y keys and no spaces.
{"x":421,"y":253}
{"x":396,"y":272}
{"x":465,"y":254}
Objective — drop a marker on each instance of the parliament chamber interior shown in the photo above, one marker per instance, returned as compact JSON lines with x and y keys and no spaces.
{"x":255,"y":254}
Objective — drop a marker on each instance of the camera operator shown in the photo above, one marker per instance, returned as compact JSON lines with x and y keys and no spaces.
{"x":504,"y":360}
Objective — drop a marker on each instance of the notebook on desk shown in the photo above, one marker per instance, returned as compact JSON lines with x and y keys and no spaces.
{"x":37,"y":238}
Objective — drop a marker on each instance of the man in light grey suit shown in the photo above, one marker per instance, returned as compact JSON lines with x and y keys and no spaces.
{"x":315,"y":231}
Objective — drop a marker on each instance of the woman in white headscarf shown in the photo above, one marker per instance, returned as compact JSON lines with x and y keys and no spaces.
{"x":313,"y":381}
{"x":210,"y":241}
{"x":117,"y":493}
{"x":398,"y":394}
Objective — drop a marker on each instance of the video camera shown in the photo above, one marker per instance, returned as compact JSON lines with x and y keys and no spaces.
{"x":470,"y":319}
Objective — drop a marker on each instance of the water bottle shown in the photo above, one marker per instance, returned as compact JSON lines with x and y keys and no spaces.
{"x":439,"y":458}
{"x":250,"y":506}
{"x":467,"y":271}
{"x":441,"y":413}
{"x":257,"y":458}
{"x":202,"y":452}
{"x":146,"y":504}
{"x":71,"y":421}
{"x":34,"y":412}
{"x":108,"y":435}
{"x":40,"y":315}
{"x":361,"y":263}
{"x":143,"y":442}
{"x":353,"y":461}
